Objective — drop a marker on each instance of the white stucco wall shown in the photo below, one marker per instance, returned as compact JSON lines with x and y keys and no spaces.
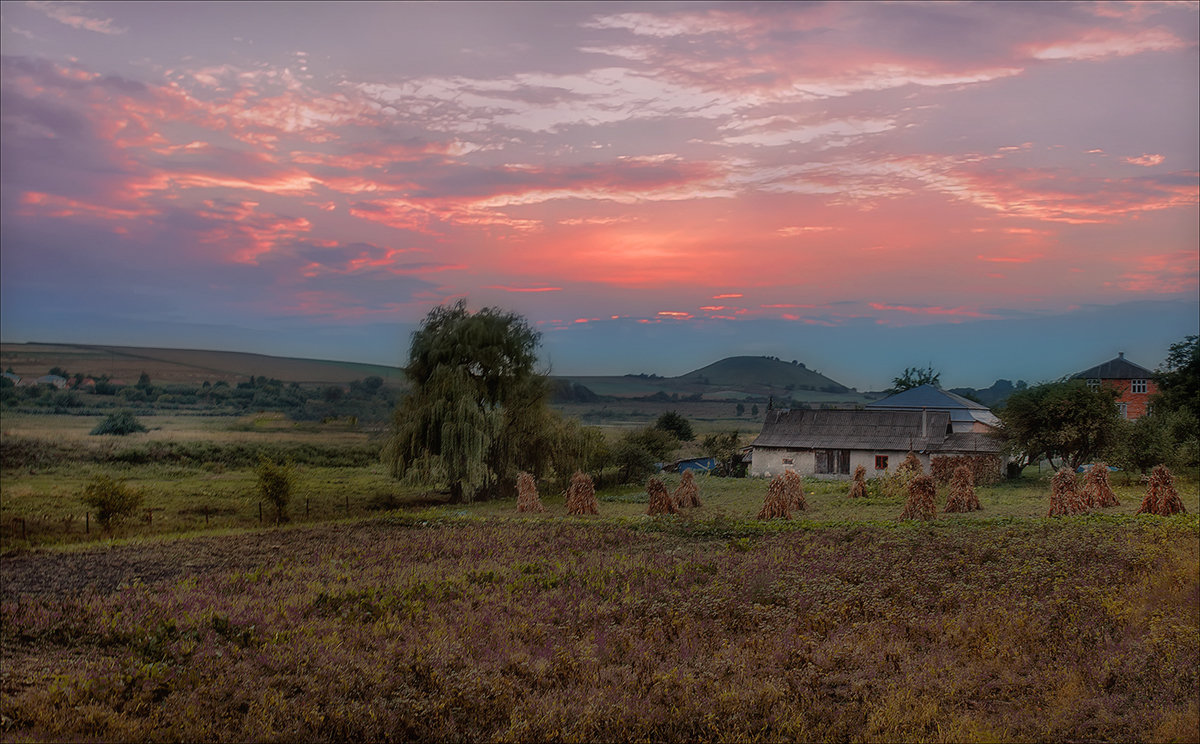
{"x":767,"y":462}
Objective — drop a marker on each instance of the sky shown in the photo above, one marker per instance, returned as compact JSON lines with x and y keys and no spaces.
{"x":997,"y":190}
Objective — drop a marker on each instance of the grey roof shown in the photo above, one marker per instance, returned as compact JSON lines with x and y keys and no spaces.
{"x":1115,"y":369}
{"x":898,"y":430}
{"x":845,"y":429}
{"x":962,"y":410}
{"x":926,"y":396}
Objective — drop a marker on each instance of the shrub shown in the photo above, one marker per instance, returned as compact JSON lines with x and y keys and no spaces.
{"x":119,"y":424}
{"x":1161,"y":497}
{"x":858,"y":486}
{"x":775,"y":505}
{"x":660,"y":499}
{"x":1064,"y":494}
{"x":1097,"y":493}
{"x":920,"y":502}
{"x":581,"y":495}
{"x":275,"y":482}
{"x":688,"y":494}
{"x":113,"y":501}
{"x":527,"y":495}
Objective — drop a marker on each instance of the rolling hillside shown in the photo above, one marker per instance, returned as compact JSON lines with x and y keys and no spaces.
{"x":746,"y":373}
{"x":126,"y":363}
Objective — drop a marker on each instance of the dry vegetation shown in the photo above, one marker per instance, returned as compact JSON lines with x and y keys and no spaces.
{"x":793,"y":485}
{"x":660,"y":501}
{"x":1161,"y":497}
{"x":921,"y":501}
{"x":858,"y":486}
{"x":775,"y":505}
{"x":962,"y":496}
{"x":528,"y":501}
{"x":687,"y":495}
{"x":581,"y":495}
{"x":1097,"y":492}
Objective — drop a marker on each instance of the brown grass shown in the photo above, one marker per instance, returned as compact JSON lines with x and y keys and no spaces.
{"x":858,"y":486}
{"x":1065,"y":498}
{"x":1161,"y":497}
{"x":775,"y":505}
{"x":920,"y":502}
{"x":660,"y":498}
{"x":527,"y":495}
{"x":1097,"y":493}
{"x":962,"y":496}
{"x":581,"y":495}
{"x":687,"y":495}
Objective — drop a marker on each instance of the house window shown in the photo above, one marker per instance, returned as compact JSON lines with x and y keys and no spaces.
{"x":789,"y":461}
{"x":1137,"y":386}
{"x":881,"y":462}
{"x":1123,"y":409}
{"x":1093,"y":384}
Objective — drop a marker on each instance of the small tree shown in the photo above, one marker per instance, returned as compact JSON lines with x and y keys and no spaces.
{"x":677,"y":425}
{"x":581,"y":495}
{"x":275,"y":482}
{"x":687,"y":495}
{"x":119,"y":424}
{"x":1161,"y":497}
{"x":858,"y":486}
{"x":1068,"y":420}
{"x":775,"y":505}
{"x":920,"y":504}
{"x":113,"y":501}
{"x":914,"y":377}
{"x":1097,"y":493}
{"x":660,"y":500}
{"x":1065,"y":499}
{"x":527,"y":495}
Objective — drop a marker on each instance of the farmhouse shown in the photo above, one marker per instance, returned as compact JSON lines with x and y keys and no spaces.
{"x":831,"y":444}
{"x":965,"y":415}
{"x":1131,"y":380}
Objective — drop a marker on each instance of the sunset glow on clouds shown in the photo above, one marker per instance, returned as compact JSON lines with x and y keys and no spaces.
{"x":594,"y":166}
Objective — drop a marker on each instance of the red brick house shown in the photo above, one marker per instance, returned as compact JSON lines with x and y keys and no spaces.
{"x":1132,"y":380}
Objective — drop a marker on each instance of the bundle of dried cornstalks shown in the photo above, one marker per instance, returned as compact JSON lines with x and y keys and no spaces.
{"x":660,"y":499}
{"x":527,"y":495}
{"x":687,"y":494}
{"x":1161,"y":497}
{"x":858,"y":486}
{"x":920,"y":502}
{"x":776,"y":503}
{"x":581,"y":495}
{"x":794,"y":488}
{"x":1065,"y":498}
{"x":1097,"y":493}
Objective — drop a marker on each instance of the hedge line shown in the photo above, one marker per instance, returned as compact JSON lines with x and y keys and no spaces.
{"x":21,"y":452}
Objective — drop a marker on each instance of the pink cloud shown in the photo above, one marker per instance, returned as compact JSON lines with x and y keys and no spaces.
{"x":1145,"y":160}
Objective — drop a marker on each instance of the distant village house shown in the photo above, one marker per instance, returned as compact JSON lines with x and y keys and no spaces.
{"x":1132,"y":381}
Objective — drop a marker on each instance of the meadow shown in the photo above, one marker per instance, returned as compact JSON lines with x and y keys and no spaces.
{"x":407,"y":618}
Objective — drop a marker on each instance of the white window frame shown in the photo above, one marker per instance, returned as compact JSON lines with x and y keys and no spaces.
{"x":1123,"y":409}
{"x":1137,"y":386}
{"x":1093,"y":383}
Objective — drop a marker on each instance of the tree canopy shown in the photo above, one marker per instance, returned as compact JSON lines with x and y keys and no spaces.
{"x":915,"y":377}
{"x":476,"y":410}
{"x":1178,"y":378}
{"x":1068,"y":420}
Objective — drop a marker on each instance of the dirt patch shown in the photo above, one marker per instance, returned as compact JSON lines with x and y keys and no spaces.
{"x":105,"y":569}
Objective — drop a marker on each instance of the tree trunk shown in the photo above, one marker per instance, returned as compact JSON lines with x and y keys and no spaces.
{"x":456,"y":492}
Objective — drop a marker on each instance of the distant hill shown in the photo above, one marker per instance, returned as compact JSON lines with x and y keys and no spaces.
{"x":183,"y":365}
{"x":747,"y":372}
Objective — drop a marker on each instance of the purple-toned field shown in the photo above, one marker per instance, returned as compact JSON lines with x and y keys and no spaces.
{"x":1079,"y":629}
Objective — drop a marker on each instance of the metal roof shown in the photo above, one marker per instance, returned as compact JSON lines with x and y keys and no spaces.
{"x":962,"y":410}
{"x":898,"y":430}
{"x":1115,"y":369}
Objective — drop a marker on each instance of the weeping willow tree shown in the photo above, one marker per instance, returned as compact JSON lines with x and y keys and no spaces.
{"x":476,"y":411}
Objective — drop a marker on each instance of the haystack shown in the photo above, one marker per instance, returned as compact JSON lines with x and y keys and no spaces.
{"x":1097,"y":493}
{"x":527,"y":495}
{"x":858,"y":486}
{"x":962,"y":496}
{"x":660,"y":498}
{"x":581,"y":495}
{"x":1065,"y":498}
{"x":920,"y":502}
{"x":794,"y":488}
{"x":776,"y":503}
{"x":911,"y":464}
{"x":687,"y":494}
{"x":1161,"y":497}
